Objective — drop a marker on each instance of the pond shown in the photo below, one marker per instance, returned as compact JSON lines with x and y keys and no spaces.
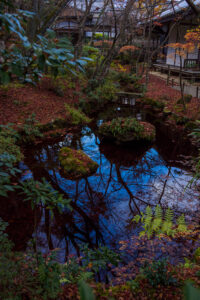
{"x":128,"y":179}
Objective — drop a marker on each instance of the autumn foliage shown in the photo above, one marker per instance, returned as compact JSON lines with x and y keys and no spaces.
{"x":128,"y":48}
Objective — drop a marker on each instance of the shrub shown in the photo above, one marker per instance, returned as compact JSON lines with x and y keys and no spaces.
{"x":42,"y":193}
{"x":29,"y":131}
{"x":27,"y":276}
{"x":7,"y":144}
{"x":157,"y":273}
{"x":99,"y":258}
{"x":154,"y":103}
{"x":186,"y":99}
{"x":7,"y":171}
{"x":127,"y":130}
{"x":90,"y":51}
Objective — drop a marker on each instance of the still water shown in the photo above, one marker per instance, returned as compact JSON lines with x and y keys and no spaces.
{"x":128,"y":179}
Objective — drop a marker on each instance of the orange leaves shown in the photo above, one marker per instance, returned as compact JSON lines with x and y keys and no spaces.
{"x":103,"y":43}
{"x":193,"y":36}
{"x":183,"y":48}
{"x":128,"y":48}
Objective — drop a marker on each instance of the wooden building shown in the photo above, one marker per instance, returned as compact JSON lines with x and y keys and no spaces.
{"x":172,"y":29}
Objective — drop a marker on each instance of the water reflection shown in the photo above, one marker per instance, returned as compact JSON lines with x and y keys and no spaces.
{"x":127,"y":180}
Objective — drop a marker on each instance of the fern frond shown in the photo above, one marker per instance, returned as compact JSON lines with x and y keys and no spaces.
{"x":156,"y":224}
{"x":167,"y":227}
{"x":182,"y":227}
{"x":149,"y":212}
{"x":169,"y":215}
{"x":142,"y":233}
{"x":158,"y":212}
{"x":136,"y":219}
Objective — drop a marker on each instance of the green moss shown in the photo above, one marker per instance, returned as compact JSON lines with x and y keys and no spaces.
{"x":76,"y":164}
{"x":127,"y":130}
{"x":75,"y":116}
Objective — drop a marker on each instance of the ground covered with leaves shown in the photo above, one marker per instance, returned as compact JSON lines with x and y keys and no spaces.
{"x":159,"y":90}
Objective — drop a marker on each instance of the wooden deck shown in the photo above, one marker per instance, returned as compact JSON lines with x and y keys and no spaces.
{"x":187,"y":73}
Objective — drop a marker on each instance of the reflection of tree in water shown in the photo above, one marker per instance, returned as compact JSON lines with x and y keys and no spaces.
{"x":104,"y":204}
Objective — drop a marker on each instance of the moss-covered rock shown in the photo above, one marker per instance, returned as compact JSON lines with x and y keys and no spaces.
{"x":124,"y":130}
{"x":76,"y":164}
{"x":76,"y":116}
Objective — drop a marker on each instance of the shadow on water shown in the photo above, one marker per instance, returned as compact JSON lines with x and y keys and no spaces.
{"x":128,"y":179}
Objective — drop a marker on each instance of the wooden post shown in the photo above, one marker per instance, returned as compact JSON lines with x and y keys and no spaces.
{"x":137,"y":69}
{"x":197,"y":92}
{"x":168,"y":75}
{"x":183,"y":87}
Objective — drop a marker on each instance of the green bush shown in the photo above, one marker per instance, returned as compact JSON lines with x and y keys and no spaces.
{"x":42,"y":194}
{"x":186,"y":99}
{"x":27,"y":276}
{"x":127,"y":130}
{"x":154,"y":103}
{"x":8,"y":145}
{"x":30,"y":131}
{"x":101,"y":94}
{"x":157,"y":273}
{"x":8,"y":171}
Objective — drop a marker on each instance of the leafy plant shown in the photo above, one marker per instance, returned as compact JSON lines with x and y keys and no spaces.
{"x":157,"y":273}
{"x":8,"y":139}
{"x":28,"y":61}
{"x":160,"y":223}
{"x":85,"y":291}
{"x":127,"y":130}
{"x":29,"y":130}
{"x":190,"y":292}
{"x":30,"y":276}
{"x":42,"y":193}
{"x":7,"y":172}
{"x":98,"y":259}
{"x":74,"y":273}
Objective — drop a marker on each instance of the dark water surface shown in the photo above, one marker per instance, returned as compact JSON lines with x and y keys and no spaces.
{"x":128,"y":179}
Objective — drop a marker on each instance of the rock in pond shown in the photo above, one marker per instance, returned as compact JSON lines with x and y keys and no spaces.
{"x":123,"y":130}
{"x":75,"y":164}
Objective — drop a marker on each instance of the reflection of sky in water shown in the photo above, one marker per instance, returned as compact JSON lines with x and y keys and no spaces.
{"x":108,"y":196}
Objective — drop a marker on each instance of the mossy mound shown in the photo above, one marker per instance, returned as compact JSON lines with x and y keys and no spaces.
{"x":124,"y":130}
{"x":76,"y":116}
{"x":76,"y":164}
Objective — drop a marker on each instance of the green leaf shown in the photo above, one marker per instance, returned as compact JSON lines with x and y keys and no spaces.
{"x":85,"y":291}
{"x":4,"y":77}
{"x":190,"y":292}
